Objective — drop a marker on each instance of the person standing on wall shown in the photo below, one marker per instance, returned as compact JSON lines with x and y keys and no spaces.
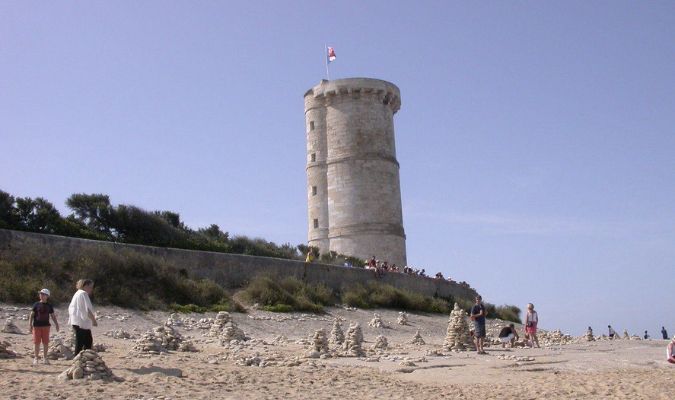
{"x":478,"y":318}
{"x":81,"y":314}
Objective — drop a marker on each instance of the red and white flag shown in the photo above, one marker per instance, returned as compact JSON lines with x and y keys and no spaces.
{"x":331,"y":54}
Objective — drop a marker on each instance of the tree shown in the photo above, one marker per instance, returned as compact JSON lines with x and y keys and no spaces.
{"x":37,"y":215}
{"x":8,"y":218}
{"x":93,"y":210}
{"x":214,"y":233}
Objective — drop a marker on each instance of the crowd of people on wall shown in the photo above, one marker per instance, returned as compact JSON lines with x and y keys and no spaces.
{"x":382,"y":267}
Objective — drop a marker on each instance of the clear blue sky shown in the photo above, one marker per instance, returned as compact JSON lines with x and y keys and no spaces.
{"x":536,"y":139}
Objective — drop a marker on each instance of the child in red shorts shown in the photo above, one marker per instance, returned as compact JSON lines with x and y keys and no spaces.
{"x":39,"y":324}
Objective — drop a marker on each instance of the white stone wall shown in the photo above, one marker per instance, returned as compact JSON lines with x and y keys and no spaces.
{"x":362,"y":203}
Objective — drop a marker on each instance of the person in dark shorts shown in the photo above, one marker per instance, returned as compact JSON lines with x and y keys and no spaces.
{"x":478,"y":318}
{"x":39,"y":325}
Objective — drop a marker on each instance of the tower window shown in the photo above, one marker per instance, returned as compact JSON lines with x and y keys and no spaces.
{"x":313,"y":190}
{"x":311,"y":125}
{"x":316,"y":223}
{"x":313,"y":157}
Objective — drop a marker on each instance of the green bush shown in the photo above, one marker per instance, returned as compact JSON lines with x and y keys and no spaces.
{"x":509,"y":313}
{"x":289,"y":292}
{"x":376,"y":294}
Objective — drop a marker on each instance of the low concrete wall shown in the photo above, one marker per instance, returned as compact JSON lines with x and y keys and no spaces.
{"x":228,"y":270}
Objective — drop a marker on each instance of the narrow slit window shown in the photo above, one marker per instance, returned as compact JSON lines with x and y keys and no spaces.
{"x":313,"y":190}
{"x":316,"y":223}
{"x":313,"y":157}
{"x":311,"y":125}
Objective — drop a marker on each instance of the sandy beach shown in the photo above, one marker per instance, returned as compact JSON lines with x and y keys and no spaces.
{"x":278,"y":366}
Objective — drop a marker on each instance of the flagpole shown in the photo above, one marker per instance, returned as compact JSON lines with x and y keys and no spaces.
{"x":325,"y":55}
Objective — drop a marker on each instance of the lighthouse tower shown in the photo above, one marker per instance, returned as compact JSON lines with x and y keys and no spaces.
{"x":353,"y":187}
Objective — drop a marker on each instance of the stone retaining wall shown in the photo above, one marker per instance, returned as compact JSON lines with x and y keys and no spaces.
{"x":228,"y":270}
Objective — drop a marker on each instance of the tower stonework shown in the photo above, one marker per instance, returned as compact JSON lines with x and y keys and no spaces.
{"x":353,"y":187}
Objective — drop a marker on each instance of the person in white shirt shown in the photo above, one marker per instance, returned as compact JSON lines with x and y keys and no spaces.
{"x":81,"y":314}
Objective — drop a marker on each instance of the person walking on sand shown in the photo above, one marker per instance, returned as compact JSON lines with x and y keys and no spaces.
{"x":664,"y":333}
{"x":612,"y":332}
{"x":670,"y":351}
{"x":38,"y":323}
{"x":646,"y":335}
{"x":81,"y":315}
{"x":478,"y":318}
{"x":531,"y":321}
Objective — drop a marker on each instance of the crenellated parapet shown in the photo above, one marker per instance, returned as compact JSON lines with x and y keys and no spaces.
{"x":376,"y":90}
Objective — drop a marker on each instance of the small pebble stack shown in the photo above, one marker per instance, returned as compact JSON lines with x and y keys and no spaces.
{"x":87,"y":365}
{"x":417,"y":339}
{"x":337,"y":336}
{"x":402,"y":318}
{"x":354,"y":341}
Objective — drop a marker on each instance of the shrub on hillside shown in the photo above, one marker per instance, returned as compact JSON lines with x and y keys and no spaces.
{"x":289,"y":294}
{"x":374,"y":295}
{"x":122,"y":278}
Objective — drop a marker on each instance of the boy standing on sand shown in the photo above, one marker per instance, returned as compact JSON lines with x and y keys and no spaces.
{"x":39,"y":324}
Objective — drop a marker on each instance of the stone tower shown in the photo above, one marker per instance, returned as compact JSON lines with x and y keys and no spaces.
{"x":353,"y":188}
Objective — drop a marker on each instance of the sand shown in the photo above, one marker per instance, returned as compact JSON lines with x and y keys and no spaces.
{"x":621,"y":369}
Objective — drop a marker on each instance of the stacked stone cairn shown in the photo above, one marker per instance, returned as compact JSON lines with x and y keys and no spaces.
{"x":162,"y":339}
{"x":87,"y":365}
{"x":5,"y":352}
{"x":625,"y":334}
{"x":337,"y":336}
{"x":417,"y":339}
{"x":174,"y":320}
{"x":589,"y":335}
{"x":57,"y":350}
{"x":10,"y":327}
{"x":354,"y":341}
{"x":457,"y":336}
{"x":319,"y":344}
{"x":381,"y":343}
{"x":402,"y":318}
{"x":554,"y":338}
{"x":119,"y":334}
{"x":225,"y":328}
{"x":376,"y":322}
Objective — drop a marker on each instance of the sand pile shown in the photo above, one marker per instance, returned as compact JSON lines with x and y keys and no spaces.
{"x":354,"y":341}
{"x":10,"y":327}
{"x":337,"y":336}
{"x":402,"y":318}
{"x":5,"y":352}
{"x":87,"y":365}
{"x":161,"y":340}
{"x":417,"y":339}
